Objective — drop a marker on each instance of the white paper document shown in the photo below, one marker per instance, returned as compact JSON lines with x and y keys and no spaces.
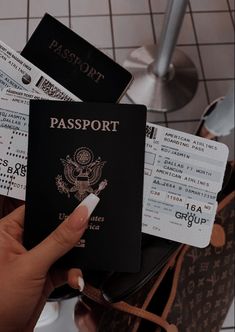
{"x":183,"y":175}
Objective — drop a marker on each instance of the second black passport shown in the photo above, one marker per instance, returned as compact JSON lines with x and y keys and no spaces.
{"x":75,"y":63}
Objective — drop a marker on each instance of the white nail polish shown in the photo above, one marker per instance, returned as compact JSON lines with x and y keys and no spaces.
{"x":90,"y":202}
{"x":81,"y":283}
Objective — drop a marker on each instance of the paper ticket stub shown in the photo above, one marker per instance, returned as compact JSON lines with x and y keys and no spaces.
{"x":14,"y":118}
{"x":183,"y":175}
{"x":18,"y":73}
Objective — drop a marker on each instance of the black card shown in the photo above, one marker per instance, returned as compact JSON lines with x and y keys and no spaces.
{"x":74,"y":63}
{"x":76,"y":148}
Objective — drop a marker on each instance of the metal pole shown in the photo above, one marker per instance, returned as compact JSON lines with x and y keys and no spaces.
{"x":170,"y":31}
{"x":165,"y":78}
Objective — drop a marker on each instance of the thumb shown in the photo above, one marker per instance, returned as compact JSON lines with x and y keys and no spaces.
{"x":65,"y":236}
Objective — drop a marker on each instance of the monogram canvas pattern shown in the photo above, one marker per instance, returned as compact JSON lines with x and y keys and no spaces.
{"x":204,"y":292}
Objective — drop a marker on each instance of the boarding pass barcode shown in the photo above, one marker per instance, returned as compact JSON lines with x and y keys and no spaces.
{"x":51,"y":90}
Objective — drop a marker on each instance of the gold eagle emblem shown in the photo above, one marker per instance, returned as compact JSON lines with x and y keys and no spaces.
{"x":81,"y":173}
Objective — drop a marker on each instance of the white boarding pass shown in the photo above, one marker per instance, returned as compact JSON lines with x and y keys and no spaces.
{"x":183,"y":175}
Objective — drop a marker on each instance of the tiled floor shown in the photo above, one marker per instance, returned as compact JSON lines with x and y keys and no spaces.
{"x":120,"y":26}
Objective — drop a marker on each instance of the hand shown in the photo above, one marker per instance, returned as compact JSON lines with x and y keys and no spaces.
{"x":26,"y":277}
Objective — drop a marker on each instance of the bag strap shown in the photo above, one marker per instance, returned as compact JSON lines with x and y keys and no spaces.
{"x":96,"y":295}
{"x":171,"y":263}
{"x":225,"y":201}
{"x":218,"y":237}
{"x":175,"y":282}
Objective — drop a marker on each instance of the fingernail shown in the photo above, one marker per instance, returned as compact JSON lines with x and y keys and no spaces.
{"x":83,"y":211}
{"x":81,"y":283}
{"x":90,"y":203}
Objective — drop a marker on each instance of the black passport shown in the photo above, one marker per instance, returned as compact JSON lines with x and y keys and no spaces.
{"x":74,"y":63}
{"x":79,"y":148}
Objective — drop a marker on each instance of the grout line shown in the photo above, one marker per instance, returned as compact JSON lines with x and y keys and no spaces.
{"x":231,"y":13}
{"x":14,"y":18}
{"x":27,"y":22}
{"x":56,"y":16}
{"x":159,"y":13}
{"x":159,"y":123}
{"x":181,"y":121}
{"x":178,"y":45}
{"x":121,"y":14}
{"x":112,"y":30}
{"x":182,"y":44}
{"x":152,"y":23}
{"x":217,"y":79}
{"x":210,"y":11}
{"x":129,"y":98}
{"x":199,"y":53}
{"x":69,"y":10}
{"x":199,"y":11}
{"x":214,"y":43}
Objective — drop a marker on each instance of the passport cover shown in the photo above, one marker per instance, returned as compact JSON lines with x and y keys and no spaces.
{"x":74,"y":63}
{"x":76,"y":148}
